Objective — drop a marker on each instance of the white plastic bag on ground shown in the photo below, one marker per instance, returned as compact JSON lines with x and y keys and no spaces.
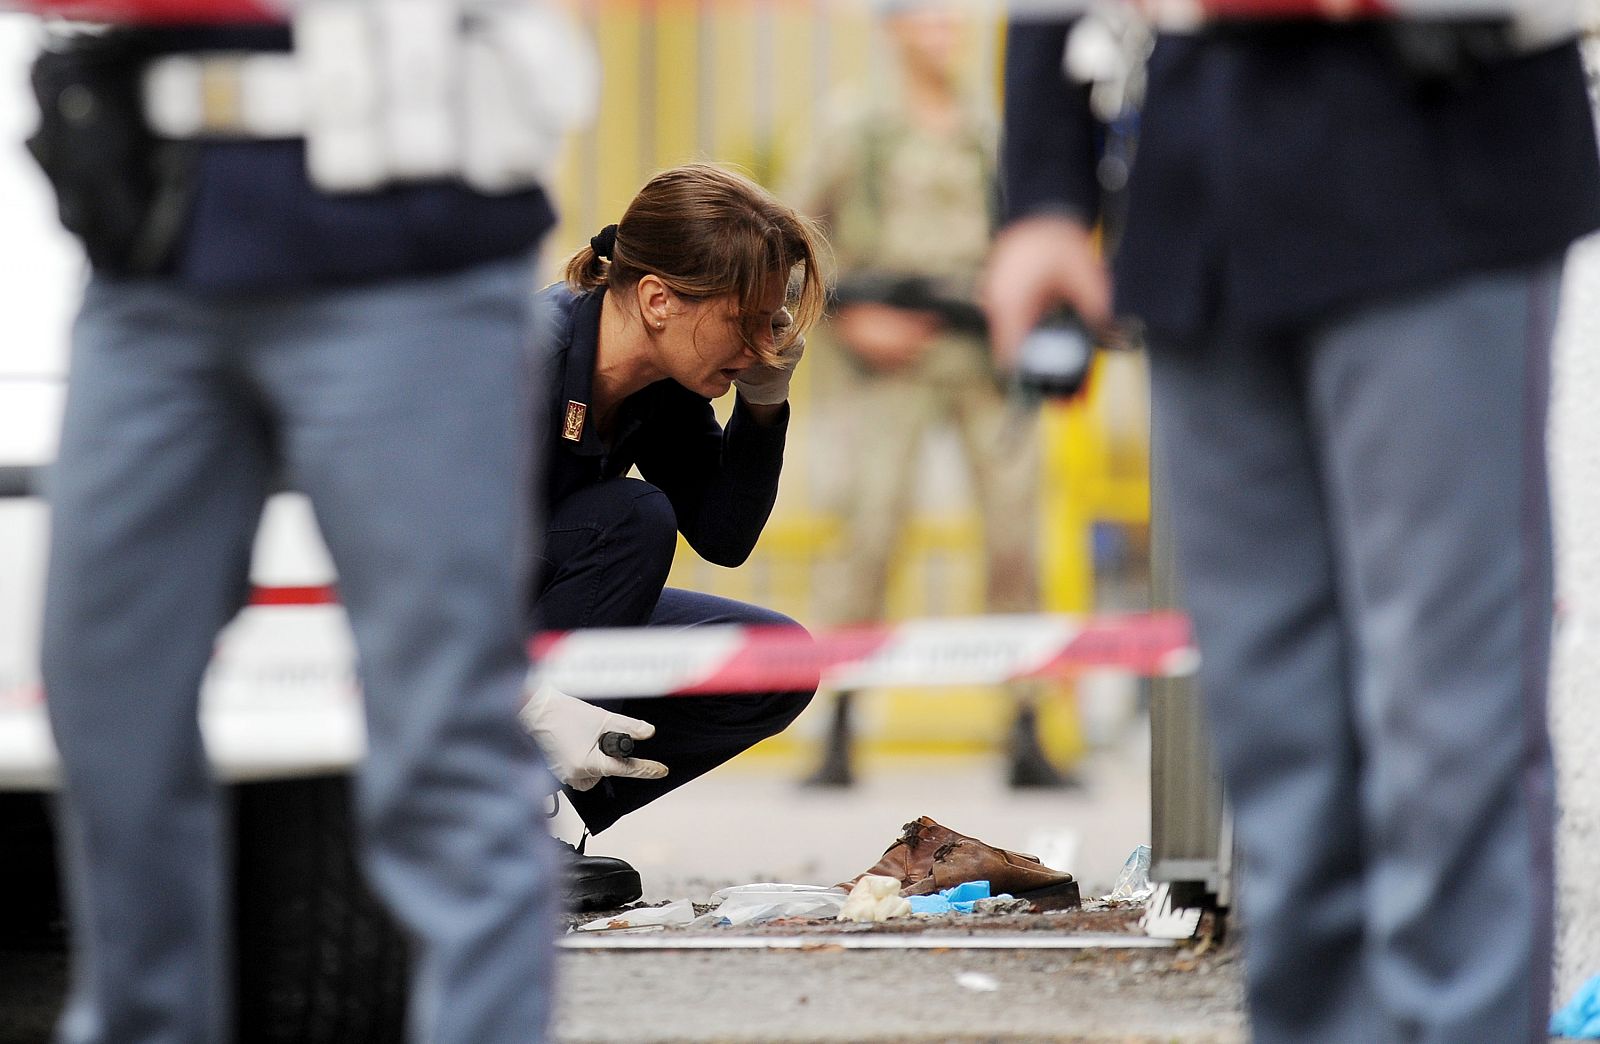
{"x":752,"y":904}
{"x":1133,"y":883}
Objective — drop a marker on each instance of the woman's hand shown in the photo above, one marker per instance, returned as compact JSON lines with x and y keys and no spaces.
{"x":568,"y":730}
{"x":763,"y":385}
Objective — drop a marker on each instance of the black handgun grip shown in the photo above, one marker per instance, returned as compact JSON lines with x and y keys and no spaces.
{"x":912,"y":293}
{"x":616,"y":744}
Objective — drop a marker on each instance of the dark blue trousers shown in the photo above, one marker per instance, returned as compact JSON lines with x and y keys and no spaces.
{"x":606,"y":555}
{"x":1362,"y":522}
{"x":183,"y":407}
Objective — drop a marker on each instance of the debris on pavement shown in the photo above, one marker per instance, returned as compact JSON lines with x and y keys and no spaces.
{"x":1094,"y":918}
{"x":874,"y":898}
{"x":1000,"y":905}
{"x":1164,"y":919}
{"x":1133,"y":882}
{"x":978,"y":981}
{"x":941,"y":876}
{"x":929,"y":857}
{"x":960,"y":899}
{"x":1581,"y":1017}
{"x":758,"y":903}
{"x":677,"y":912}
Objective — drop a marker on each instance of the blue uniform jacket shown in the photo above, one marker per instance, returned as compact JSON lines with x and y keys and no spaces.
{"x":255,"y":223}
{"x":1285,"y":172}
{"x":722,"y":482}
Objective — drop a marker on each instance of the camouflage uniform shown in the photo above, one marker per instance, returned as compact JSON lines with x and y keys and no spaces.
{"x":900,"y":200}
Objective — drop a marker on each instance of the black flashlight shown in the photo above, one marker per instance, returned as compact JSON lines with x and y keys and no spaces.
{"x":1053,"y":360}
{"x":616,"y":744}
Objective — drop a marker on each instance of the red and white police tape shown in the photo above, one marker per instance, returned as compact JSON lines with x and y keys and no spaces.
{"x":972,"y":650}
{"x":978,"y":650}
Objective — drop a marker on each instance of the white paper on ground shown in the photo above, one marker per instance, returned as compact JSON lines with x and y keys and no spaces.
{"x":679,"y":911}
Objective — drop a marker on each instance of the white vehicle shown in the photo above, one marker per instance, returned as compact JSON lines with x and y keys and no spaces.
{"x":319,"y":959}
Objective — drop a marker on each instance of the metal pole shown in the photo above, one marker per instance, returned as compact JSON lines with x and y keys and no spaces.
{"x":1187,"y":818}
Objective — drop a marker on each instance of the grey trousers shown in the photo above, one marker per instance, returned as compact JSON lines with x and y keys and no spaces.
{"x":1363,"y":537}
{"x":399,"y":409}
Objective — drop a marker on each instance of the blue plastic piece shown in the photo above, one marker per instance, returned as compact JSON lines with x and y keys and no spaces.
{"x":959,"y":899}
{"x":967,"y":892}
{"x":1581,"y":1017}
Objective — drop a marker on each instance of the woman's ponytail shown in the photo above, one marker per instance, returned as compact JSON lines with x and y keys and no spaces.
{"x":589,"y":267}
{"x":586,"y":270}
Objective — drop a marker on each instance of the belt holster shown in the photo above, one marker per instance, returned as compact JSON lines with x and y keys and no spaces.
{"x":121,"y":190}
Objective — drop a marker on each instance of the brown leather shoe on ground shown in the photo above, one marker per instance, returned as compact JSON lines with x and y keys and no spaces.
{"x":910,"y":859}
{"x":1022,"y":876}
{"x":930,"y":856}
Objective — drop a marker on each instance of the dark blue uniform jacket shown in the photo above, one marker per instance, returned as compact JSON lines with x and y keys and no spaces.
{"x":1284,"y":172}
{"x":722,"y":482}
{"x":256,"y":223}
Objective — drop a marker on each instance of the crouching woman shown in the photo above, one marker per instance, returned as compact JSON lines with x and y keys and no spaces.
{"x":706,"y":285}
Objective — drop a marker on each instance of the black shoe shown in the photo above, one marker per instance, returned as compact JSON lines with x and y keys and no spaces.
{"x":595,"y":882}
{"x":835,"y":770}
{"x":1029,"y":767}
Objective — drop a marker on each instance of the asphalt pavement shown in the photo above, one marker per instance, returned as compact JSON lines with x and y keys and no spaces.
{"x":882,"y":997}
{"x":751,"y":822}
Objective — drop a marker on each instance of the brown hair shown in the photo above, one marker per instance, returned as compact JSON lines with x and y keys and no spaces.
{"x":707,"y":232}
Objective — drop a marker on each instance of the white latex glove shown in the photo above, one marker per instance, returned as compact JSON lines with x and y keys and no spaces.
{"x":568,"y":730}
{"x":769,"y":385}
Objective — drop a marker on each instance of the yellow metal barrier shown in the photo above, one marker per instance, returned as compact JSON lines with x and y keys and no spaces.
{"x":1096,"y":470}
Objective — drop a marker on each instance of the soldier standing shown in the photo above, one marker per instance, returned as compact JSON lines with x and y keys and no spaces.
{"x":906,"y":190}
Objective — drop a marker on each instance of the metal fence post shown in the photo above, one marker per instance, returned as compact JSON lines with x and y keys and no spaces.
{"x":1190,"y":837}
